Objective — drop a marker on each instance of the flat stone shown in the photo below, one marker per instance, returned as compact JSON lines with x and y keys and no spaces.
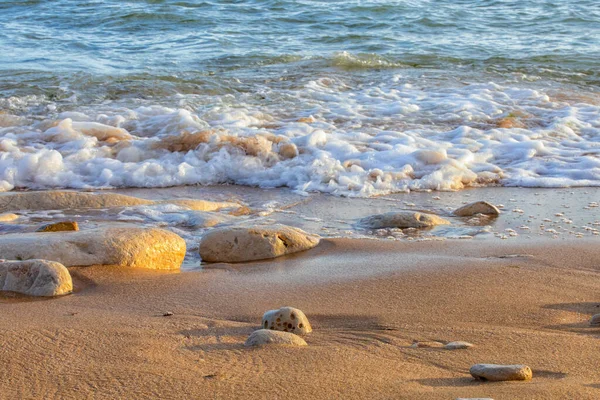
{"x":427,"y":344}
{"x":203,"y":205}
{"x":59,"y":227}
{"x":287,"y":319}
{"x":595,"y":320}
{"x":478,"y":207}
{"x":239,"y":244}
{"x":402,"y":220}
{"x":124,"y":246}
{"x":60,"y":200}
{"x":35,"y":278}
{"x":263,"y":337}
{"x":206,"y":219}
{"x":458,"y":345}
{"x":495,"y":372}
{"x":8,"y":217}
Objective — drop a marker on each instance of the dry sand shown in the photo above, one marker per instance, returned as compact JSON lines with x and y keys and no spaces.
{"x":518,"y":301}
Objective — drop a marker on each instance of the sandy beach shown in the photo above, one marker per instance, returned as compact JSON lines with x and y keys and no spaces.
{"x":368,"y":301}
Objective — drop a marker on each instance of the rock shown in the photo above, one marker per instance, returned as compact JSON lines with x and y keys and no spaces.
{"x":8,"y":217}
{"x":402,"y":220}
{"x":206,"y":219}
{"x":263,"y":337}
{"x":59,"y":200}
{"x":474,"y":398}
{"x":479,"y":207}
{"x":203,"y":205}
{"x":494,"y":372}
{"x":287,"y":319}
{"x":125,"y":246}
{"x":239,"y":244}
{"x":59,"y":227}
{"x":167,"y":314}
{"x":458,"y":345}
{"x":426,"y":343}
{"x":35,"y":278}
{"x":595,"y":320}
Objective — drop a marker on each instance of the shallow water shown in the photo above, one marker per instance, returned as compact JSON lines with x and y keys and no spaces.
{"x":354,"y":98}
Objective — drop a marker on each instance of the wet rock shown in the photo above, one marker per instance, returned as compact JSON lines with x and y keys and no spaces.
{"x":205,"y":219}
{"x":287,"y":319}
{"x":239,"y":244}
{"x":402,"y":220}
{"x":8,"y":217}
{"x":124,"y":246}
{"x":427,"y":344}
{"x":494,"y":372}
{"x":595,"y":320}
{"x":59,"y":200}
{"x":35,"y":278}
{"x":263,"y":337}
{"x":59,"y":227}
{"x":478,"y":207}
{"x":458,"y":345}
{"x":203,"y":205}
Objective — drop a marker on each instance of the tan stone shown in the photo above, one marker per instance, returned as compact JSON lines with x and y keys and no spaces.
{"x":205,"y":219}
{"x":202,"y":205}
{"x":427,"y":344}
{"x":59,"y":227}
{"x":494,"y":372}
{"x":126,"y":246}
{"x":239,"y":244}
{"x":60,"y":200}
{"x":478,"y":207}
{"x":458,"y":345}
{"x":263,"y":337}
{"x":35,"y":278}
{"x":8,"y":217}
{"x":287,"y":319}
{"x":402,"y":220}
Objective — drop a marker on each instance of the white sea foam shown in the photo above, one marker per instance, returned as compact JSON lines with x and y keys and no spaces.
{"x":358,"y":141}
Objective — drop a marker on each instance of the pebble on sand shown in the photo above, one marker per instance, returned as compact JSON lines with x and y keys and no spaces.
{"x":287,"y":319}
{"x":495,"y":372}
{"x":595,"y":320}
{"x":478,"y":207}
{"x":427,"y":344}
{"x":402,"y":220}
{"x":35,"y":278}
{"x":239,"y":244}
{"x":263,"y":337}
{"x":458,"y":345}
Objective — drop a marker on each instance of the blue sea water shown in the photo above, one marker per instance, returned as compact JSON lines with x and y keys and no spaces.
{"x":373,"y":96}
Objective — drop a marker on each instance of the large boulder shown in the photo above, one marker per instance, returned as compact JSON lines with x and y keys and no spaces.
{"x":62,"y":199}
{"x":402,"y":220}
{"x":239,"y":244}
{"x":35,"y":278}
{"x":263,"y":337}
{"x":478,"y":207}
{"x":127,"y":246}
{"x":287,"y":319}
{"x":494,"y":372}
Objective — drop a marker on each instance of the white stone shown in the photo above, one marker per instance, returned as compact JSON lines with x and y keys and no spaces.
{"x":495,"y":372}
{"x":239,"y":244}
{"x":402,"y":220}
{"x":458,"y":345}
{"x":287,"y":319}
{"x":263,"y":337}
{"x":124,"y":246}
{"x":35,"y":278}
{"x":478,"y":207}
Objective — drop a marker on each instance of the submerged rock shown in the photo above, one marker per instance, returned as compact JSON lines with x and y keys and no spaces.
{"x":287,"y":319}
{"x":129,"y":247}
{"x":458,"y":345}
{"x":263,"y":337}
{"x":35,"y":278}
{"x":494,"y":372}
{"x":595,"y":320}
{"x":239,"y":244}
{"x":402,"y":220}
{"x":59,"y":227}
{"x":59,"y":200}
{"x":478,"y":207}
{"x":203,"y":205}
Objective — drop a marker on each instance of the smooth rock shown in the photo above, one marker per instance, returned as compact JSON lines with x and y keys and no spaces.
{"x":458,"y":345}
{"x":59,"y":200}
{"x":203,"y":205}
{"x":35,"y":278}
{"x":402,"y":220}
{"x":263,"y":337}
{"x":125,"y":246}
{"x":495,"y":372}
{"x":478,"y":207}
{"x":595,"y":320}
{"x":8,"y":217}
{"x":426,"y":343}
{"x":59,"y":227}
{"x":287,"y":319}
{"x":239,"y":244}
{"x":206,"y":219}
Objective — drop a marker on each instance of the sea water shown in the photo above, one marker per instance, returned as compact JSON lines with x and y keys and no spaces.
{"x":353,"y":98}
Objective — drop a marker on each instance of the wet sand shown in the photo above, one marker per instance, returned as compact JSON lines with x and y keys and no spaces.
{"x":518,"y":301}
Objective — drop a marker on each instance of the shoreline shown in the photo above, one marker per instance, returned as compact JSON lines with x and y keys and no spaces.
{"x":517,"y":301}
